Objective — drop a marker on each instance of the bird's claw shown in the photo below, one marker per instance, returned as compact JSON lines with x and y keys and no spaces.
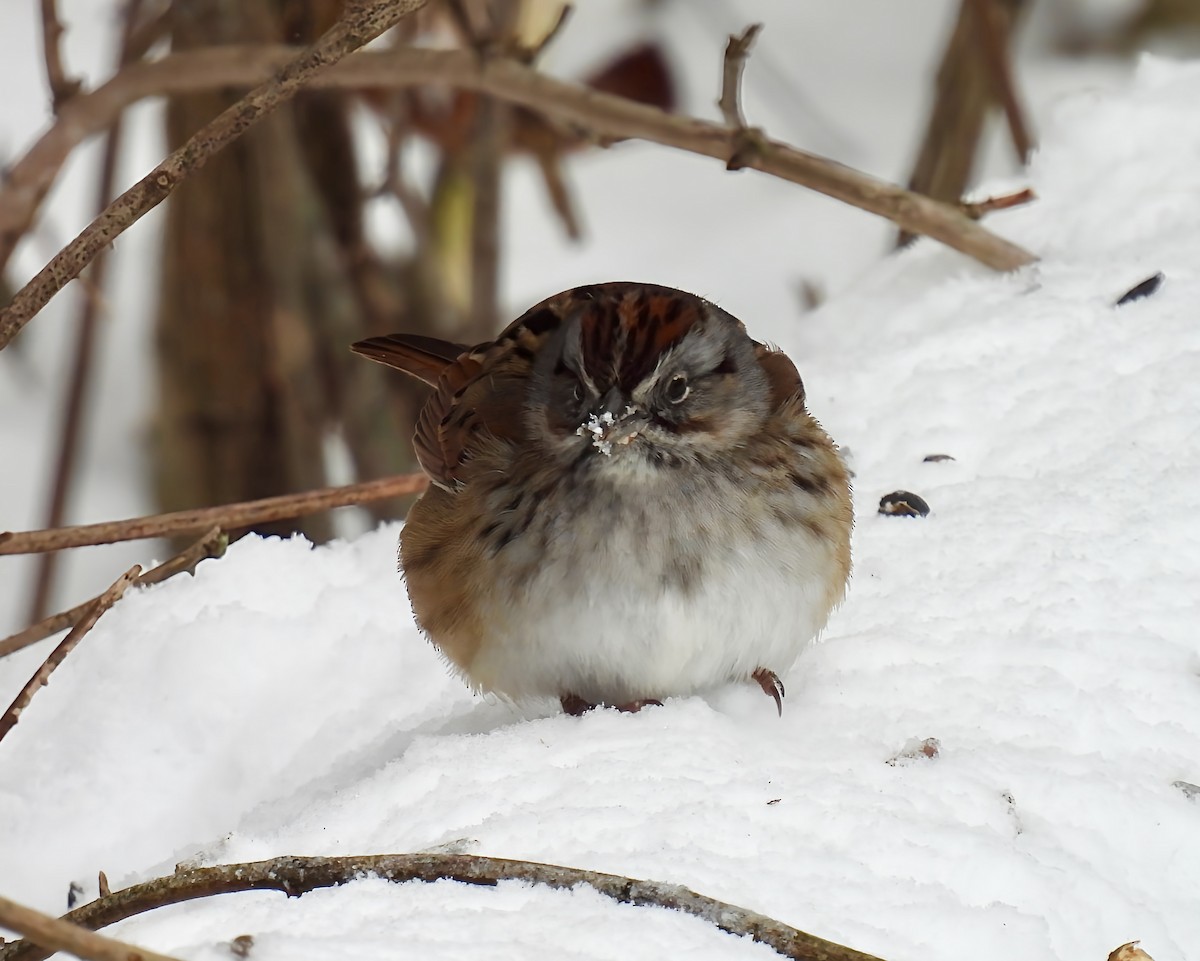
{"x":634,"y":706}
{"x":576,"y":706}
{"x":772,"y":686}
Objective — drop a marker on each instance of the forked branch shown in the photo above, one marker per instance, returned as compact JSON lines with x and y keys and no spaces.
{"x":212,"y":544}
{"x":603,"y":116}
{"x":9,"y":719}
{"x":62,"y":87}
{"x":979,"y":208}
{"x":737,"y":52}
{"x":360,"y":22}
{"x":993,"y":39}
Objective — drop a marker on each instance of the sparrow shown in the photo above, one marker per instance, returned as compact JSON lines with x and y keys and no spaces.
{"x":629,"y":501}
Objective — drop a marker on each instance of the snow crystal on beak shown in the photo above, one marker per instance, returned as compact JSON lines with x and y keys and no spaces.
{"x":597,"y":425}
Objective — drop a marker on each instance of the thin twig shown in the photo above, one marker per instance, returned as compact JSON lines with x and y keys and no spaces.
{"x":84,"y":345}
{"x":963,"y":98}
{"x":212,"y":544}
{"x":55,"y":935}
{"x":62,"y":88}
{"x":977,"y":208}
{"x":297,"y":875}
{"x":415,"y":207}
{"x":228,"y":516}
{"x":994,"y":40}
{"x":551,"y":167}
{"x":737,"y":52}
{"x":485,"y":155}
{"x":360,"y":22}
{"x":603,"y":115}
{"x":145,"y":33}
{"x":9,"y":719}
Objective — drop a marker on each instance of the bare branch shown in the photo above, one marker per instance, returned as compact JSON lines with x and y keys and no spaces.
{"x":55,"y":935}
{"x":147,"y":27}
{"x":228,"y":516}
{"x":62,"y":88}
{"x":492,"y":130}
{"x":603,"y":115}
{"x":553,"y":177}
{"x":415,"y":206}
{"x":296,"y":875}
{"x":737,"y":51}
{"x":977,"y":208}
{"x":212,"y":544}
{"x":84,"y":344}
{"x":360,"y":22}
{"x":963,"y":98}
{"x":994,"y":39}
{"x":9,"y":719}
{"x":485,"y":159}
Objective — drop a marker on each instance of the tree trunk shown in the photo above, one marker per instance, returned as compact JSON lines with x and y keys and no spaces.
{"x":263,"y":289}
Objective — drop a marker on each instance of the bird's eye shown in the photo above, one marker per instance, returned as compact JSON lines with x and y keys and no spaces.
{"x":678,"y":389}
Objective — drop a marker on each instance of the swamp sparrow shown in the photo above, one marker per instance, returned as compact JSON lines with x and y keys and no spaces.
{"x":629,"y":502}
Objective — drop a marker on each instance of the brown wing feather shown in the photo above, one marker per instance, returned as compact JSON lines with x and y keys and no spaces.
{"x":445,"y":427}
{"x":480,"y":398}
{"x":469,"y":399}
{"x":422,"y":357}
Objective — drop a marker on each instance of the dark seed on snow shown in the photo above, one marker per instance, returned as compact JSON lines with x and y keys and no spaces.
{"x":903,"y":504}
{"x":1147,"y":287}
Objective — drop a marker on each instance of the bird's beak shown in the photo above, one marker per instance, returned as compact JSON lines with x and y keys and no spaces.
{"x":629,"y":424}
{"x":613,"y":424}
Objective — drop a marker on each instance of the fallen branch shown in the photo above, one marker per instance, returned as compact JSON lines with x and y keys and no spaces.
{"x":228,"y":516}
{"x":297,"y":875}
{"x":360,"y":22}
{"x":9,"y":719}
{"x":212,"y":544}
{"x":55,"y":935}
{"x":604,"y":116}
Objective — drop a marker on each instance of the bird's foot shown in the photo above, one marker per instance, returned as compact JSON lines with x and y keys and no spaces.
{"x":772,"y":686}
{"x":575,"y":705}
{"x":634,"y":706}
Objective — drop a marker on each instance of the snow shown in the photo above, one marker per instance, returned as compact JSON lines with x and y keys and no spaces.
{"x":598,"y":426}
{"x":1040,"y":623}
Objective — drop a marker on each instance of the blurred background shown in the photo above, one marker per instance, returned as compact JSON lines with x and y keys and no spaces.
{"x":206,"y":361}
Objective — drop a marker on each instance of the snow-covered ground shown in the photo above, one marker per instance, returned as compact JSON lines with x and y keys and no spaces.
{"x":1043,"y":623}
